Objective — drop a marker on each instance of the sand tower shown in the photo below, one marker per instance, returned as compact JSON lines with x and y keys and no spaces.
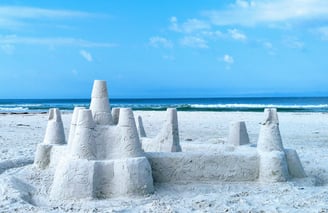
{"x":73,"y":125}
{"x":100,"y":104}
{"x":276,"y":164}
{"x":168,"y":139}
{"x":238,"y":134}
{"x":54,"y":136}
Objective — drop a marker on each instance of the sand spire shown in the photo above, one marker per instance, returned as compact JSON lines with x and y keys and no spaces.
{"x":273,"y":163}
{"x":169,"y":136}
{"x":73,"y":125}
{"x":83,"y":145}
{"x":100,"y":103}
{"x":55,"y":129}
{"x":269,"y":137}
{"x":129,"y":139}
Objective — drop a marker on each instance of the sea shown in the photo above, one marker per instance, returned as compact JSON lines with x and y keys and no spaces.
{"x":257,"y":104}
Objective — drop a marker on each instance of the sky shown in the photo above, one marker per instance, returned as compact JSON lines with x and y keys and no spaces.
{"x":171,"y":49}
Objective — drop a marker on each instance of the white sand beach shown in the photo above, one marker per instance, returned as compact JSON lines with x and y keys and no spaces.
{"x":305,"y":132}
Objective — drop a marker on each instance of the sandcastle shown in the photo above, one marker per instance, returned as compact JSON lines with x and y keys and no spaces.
{"x":107,"y":155}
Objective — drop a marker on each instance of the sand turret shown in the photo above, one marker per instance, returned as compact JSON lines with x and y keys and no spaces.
{"x":129,"y":139}
{"x":55,"y":130}
{"x":100,"y":103}
{"x":54,"y":136}
{"x":168,"y":138}
{"x":73,"y":125}
{"x":269,"y":137}
{"x":275,"y":159}
{"x":238,"y":134}
{"x":141,"y":129}
{"x":83,"y":145}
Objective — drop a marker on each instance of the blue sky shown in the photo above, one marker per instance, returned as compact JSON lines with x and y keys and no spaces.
{"x":185,"y":48}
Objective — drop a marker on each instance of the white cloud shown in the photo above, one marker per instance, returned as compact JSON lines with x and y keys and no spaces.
{"x":7,"y":49}
{"x":228,"y":59}
{"x":13,"y":39}
{"x":86,"y":55}
{"x":157,"y":41}
{"x":269,"y":47}
{"x":213,"y":34}
{"x":12,"y":17}
{"x":293,"y":42}
{"x":34,"y":12}
{"x":195,"y":42}
{"x":174,"y":23}
{"x":189,"y":26}
{"x":269,"y":11}
{"x":323,"y":32}
{"x":237,"y":35}
{"x":244,"y":4}
{"x":192,"y":25}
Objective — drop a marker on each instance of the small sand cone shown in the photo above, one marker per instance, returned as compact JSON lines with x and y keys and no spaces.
{"x":115,"y":115}
{"x":273,"y":162}
{"x":83,"y":145}
{"x":238,"y":134}
{"x":169,"y":136}
{"x":100,"y":103}
{"x":130,"y":145}
{"x":55,"y":130}
{"x":141,"y":128}
{"x":73,"y":125}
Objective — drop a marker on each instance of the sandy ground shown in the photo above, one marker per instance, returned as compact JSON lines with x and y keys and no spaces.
{"x":305,"y":132}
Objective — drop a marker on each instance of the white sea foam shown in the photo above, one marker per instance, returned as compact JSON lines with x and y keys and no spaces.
{"x":13,"y":109}
{"x":256,"y":106}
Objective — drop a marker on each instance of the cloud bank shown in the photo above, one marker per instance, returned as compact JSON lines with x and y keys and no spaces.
{"x":249,"y":13}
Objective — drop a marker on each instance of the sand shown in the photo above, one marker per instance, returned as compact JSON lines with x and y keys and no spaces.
{"x":305,"y":132}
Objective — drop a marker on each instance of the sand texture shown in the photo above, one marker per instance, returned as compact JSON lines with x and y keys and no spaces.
{"x":305,"y":132}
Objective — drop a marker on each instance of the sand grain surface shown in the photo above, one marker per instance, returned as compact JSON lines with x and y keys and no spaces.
{"x":305,"y":132}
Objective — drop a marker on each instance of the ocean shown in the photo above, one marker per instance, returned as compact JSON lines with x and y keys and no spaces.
{"x":292,"y":104}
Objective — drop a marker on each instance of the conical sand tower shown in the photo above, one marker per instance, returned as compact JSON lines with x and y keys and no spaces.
{"x":73,"y":125}
{"x":55,"y":129}
{"x":54,"y":136}
{"x":168,"y":138}
{"x":100,"y":104}
{"x":275,"y":163}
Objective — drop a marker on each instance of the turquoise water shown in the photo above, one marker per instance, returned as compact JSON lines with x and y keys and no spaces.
{"x":293,"y":104}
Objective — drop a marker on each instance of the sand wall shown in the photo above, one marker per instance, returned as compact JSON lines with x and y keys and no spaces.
{"x":192,"y":166}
